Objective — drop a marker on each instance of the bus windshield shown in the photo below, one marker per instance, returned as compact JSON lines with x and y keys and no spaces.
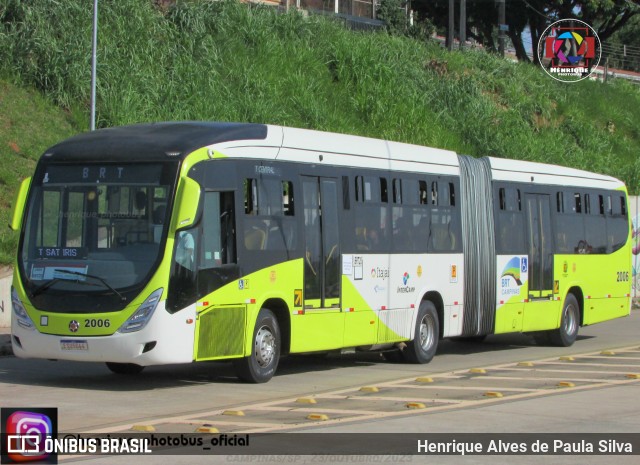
{"x":94,"y":230}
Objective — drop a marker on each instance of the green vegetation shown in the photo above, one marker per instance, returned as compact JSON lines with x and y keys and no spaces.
{"x":29,"y":124}
{"x":203,"y":60}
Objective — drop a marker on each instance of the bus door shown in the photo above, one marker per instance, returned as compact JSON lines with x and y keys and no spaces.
{"x":321,"y":326}
{"x":322,"y":247}
{"x":539,"y":312}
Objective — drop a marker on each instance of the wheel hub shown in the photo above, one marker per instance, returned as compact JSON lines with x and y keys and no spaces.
{"x":265,"y":346}
{"x":570,"y":322}
{"x":427,"y":330}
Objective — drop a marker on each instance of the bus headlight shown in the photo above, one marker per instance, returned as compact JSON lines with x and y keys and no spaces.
{"x":142,"y":316}
{"x":19,"y":312}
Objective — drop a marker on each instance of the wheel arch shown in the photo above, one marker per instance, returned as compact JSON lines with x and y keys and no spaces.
{"x":436,"y":299}
{"x":577,"y":293}
{"x":281,"y":312}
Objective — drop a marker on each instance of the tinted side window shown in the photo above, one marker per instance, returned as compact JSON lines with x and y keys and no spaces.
{"x":410,"y":216}
{"x":595,"y":224}
{"x":445,"y":228}
{"x":370,"y":214}
{"x":617,"y":223}
{"x":510,"y":222}
{"x":269,"y":222}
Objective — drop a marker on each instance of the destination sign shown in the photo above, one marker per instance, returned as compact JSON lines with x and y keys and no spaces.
{"x":108,"y":174}
{"x":61,"y":252}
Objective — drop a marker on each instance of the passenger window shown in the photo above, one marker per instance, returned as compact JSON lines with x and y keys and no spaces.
{"x":287,"y":198}
{"x":560,"y":202}
{"x":384,"y":196}
{"x":251,"y":196}
{"x":587,"y":204}
{"x":424,"y":196}
{"x":577,"y":208}
{"x":397,"y":191}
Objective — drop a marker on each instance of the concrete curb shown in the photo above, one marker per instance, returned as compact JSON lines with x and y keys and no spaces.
{"x":6,"y":273}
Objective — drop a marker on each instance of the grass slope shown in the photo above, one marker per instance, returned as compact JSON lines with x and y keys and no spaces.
{"x":29,"y":124}
{"x":223,"y":61}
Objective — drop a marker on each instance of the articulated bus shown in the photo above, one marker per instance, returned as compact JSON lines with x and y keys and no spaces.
{"x":179,"y":242}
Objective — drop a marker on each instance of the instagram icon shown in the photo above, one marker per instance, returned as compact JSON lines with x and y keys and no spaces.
{"x":25,"y":431}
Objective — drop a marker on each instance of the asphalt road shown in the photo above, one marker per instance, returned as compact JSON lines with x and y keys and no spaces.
{"x":176,"y":398}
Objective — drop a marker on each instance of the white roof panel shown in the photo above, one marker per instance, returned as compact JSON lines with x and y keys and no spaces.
{"x":308,"y":146}
{"x":523,"y":171}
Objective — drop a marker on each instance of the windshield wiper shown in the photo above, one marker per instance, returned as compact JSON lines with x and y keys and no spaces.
{"x":97,"y":278}
{"x":46,"y":286}
{"x":77,"y":273}
{"x":51,"y":282}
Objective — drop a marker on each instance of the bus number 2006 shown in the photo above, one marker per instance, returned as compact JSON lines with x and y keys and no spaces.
{"x":93,"y":323}
{"x":623,"y":276}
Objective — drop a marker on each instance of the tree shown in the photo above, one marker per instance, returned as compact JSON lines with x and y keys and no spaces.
{"x":393,"y":13}
{"x":623,"y":47}
{"x":605,"y":16}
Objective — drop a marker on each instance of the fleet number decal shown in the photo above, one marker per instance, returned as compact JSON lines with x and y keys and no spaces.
{"x":96,"y":323}
{"x":623,"y":276}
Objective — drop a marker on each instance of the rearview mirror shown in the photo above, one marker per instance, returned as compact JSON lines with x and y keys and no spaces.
{"x":17,"y":210}
{"x":186,"y":206}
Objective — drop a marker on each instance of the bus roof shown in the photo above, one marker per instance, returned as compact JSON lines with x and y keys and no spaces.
{"x":176,"y":140}
{"x":151,"y":142}
{"x":308,"y":146}
{"x":503,"y":169}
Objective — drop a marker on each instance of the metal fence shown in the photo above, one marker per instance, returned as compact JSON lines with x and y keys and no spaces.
{"x":354,"y":14}
{"x":358,"y":8}
{"x":624,"y":57}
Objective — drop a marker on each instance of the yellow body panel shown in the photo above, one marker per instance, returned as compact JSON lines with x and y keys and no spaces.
{"x":509,"y":318}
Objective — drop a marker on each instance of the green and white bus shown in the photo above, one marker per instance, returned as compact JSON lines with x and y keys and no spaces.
{"x":179,"y":242}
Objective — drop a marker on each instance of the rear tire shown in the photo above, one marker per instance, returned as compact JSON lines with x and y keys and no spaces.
{"x":124,"y":368}
{"x":427,"y":333}
{"x":567,"y":333}
{"x":261,"y":365}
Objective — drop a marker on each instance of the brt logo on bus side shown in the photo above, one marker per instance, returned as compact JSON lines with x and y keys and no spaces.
{"x":514,"y":274}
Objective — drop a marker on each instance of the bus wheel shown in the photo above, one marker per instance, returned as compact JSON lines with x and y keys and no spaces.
{"x":261,"y":365}
{"x":425,"y":340}
{"x":566,"y":334}
{"x":124,"y":368}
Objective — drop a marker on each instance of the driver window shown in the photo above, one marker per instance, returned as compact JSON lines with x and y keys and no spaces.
{"x":185,"y":255}
{"x":183,"y":282}
{"x":205,"y":255}
{"x":218,"y":238}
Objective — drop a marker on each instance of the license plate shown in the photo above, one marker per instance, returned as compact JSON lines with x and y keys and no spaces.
{"x":74,"y":344}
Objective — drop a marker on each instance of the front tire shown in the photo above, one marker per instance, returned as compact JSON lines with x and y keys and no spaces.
{"x":427,"y":333}
{"x":261,"y":365}
{"x":567,"y":333}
